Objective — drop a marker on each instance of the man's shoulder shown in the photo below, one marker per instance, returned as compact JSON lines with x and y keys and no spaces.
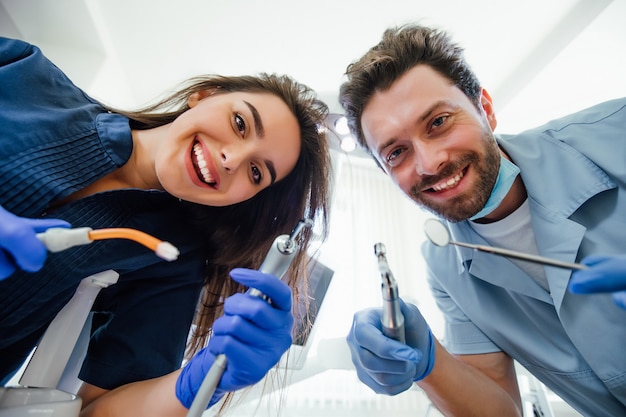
{"x":599,"y":113}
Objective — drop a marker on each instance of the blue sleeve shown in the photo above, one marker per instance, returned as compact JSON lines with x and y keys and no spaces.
{"x":38,"y":102}
{"x":12,"y":50}
{"x":599,"y":133}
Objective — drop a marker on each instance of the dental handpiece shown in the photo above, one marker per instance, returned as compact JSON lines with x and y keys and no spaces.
{"x":392,"y":318}
{"x":280,"y":255}
{"x":276,"y":262}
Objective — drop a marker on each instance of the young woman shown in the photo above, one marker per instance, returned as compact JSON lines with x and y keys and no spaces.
{"x":218,"y":169}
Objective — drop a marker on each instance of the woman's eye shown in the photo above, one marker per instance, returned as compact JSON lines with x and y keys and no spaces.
{"x":240,"y":124}
{"x":256,"y":175}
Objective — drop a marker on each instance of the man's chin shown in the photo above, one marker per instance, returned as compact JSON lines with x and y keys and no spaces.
{"x":453,"y":213}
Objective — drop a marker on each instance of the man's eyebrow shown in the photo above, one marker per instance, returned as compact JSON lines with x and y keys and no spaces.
{"x":379,"y":150}
{"x":430,"y":110}
{"x":424,"y":116}
{"x":258,"y":123}
{"x":271,"y":169}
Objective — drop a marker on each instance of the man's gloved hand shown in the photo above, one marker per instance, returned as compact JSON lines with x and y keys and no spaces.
{"x":252,"y":333}
{"x":19,"y":246}
{"x":605,"y":274}
{"x":386,"y":365}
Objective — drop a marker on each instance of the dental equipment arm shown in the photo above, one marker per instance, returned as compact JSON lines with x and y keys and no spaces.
{"x":276,"y":263}
{"x":392,"y":318}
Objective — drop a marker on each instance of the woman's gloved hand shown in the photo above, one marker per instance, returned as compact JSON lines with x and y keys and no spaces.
{"x":252,"y":333}
{"x":605,"y":274}
{"x":19,"y":245}
{"x":386,"y":365}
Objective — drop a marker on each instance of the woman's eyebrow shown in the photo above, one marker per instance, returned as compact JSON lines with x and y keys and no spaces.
{"x":260,"y":132}
{"x":258,"y":123}
{"x":271,"y":169}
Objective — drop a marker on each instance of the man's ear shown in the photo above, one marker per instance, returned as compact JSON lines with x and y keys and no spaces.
{"x":487,"y":104}
{"x":195,"y":98}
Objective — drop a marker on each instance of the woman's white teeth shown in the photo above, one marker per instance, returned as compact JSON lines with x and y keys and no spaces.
{"x":448,"y":184}
{"x":202,"y":165}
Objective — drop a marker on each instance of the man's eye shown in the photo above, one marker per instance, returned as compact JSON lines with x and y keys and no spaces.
{"x":240,"y":124}
{"x":439,"y":121}
{"x":392,"y":158}
{"x":256,"y":174}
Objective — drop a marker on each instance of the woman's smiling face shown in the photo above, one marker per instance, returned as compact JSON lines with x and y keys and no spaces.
{"x":228,"y":147}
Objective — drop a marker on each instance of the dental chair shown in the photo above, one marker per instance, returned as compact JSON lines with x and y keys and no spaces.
{"x":48,"y":385}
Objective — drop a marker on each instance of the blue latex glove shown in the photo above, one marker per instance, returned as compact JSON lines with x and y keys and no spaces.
{"x":386,"y":365}
{"x":605,"y":274}
{"x":252,"y":333}
{"x":19,"y":246}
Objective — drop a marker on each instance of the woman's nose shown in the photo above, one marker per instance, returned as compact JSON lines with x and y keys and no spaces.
{"x":232,"y":157}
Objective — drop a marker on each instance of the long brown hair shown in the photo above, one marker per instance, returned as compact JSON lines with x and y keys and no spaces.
{"x":240,"y":235}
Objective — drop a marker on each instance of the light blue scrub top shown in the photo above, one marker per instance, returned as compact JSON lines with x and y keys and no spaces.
{"x":574,"y":170}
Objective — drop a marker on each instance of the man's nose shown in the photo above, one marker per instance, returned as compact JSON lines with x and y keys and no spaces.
{"x":429,"y":158}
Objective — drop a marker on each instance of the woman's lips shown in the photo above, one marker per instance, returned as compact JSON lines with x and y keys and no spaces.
{"x":201,"y":165}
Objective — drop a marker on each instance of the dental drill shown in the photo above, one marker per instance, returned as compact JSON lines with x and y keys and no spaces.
{"x":276,"y":262}
{"x":392,"y":318}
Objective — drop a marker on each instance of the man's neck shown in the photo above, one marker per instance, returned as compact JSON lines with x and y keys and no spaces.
{"x":514,"y":198}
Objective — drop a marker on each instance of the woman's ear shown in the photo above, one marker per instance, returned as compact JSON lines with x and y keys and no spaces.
{"x":487,"y":104}
{"x":195,"y":98}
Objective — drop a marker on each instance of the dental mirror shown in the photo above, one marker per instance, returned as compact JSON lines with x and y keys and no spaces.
{"x":438,"y":234}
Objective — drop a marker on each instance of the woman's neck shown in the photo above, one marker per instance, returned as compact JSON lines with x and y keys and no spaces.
{"x":138,"y":172}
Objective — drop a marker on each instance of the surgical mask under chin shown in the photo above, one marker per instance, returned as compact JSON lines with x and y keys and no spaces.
{"x":506,"y":175}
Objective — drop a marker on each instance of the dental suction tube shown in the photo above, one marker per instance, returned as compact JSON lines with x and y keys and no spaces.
{"x":391,"y":318}
{"x":276,"y":262}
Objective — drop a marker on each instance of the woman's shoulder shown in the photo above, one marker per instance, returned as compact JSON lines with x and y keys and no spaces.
{"x":12,"y":50}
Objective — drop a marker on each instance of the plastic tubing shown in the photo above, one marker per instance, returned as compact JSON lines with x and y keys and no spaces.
{"x":163,"y":249}
{"x":57,"y":239}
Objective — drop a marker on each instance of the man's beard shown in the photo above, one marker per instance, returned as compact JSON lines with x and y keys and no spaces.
{"x":463,"y":206}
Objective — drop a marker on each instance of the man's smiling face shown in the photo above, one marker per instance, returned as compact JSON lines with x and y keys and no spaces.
{"x":436,"y":145}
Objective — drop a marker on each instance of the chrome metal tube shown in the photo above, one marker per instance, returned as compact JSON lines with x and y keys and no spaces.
{"x":392,"y":319}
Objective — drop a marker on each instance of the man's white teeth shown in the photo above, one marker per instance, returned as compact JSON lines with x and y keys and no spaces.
{"x":448,"y":184}
{"x":206,"y":175}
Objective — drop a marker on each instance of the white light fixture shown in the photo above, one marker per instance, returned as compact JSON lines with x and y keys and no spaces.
{"x":348,"y":144}
{"x":340,"y":138}
{"x":341,"y":126}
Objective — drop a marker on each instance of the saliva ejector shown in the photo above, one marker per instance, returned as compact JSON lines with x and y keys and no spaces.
{"x":57,"y":239}
{"x":391,"y":318}
{"x":276,"y":262}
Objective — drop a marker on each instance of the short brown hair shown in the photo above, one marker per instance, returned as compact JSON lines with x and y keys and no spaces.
{"x":400,"y":49}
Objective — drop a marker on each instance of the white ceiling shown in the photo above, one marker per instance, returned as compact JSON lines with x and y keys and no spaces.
{"x":539,"y":59}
